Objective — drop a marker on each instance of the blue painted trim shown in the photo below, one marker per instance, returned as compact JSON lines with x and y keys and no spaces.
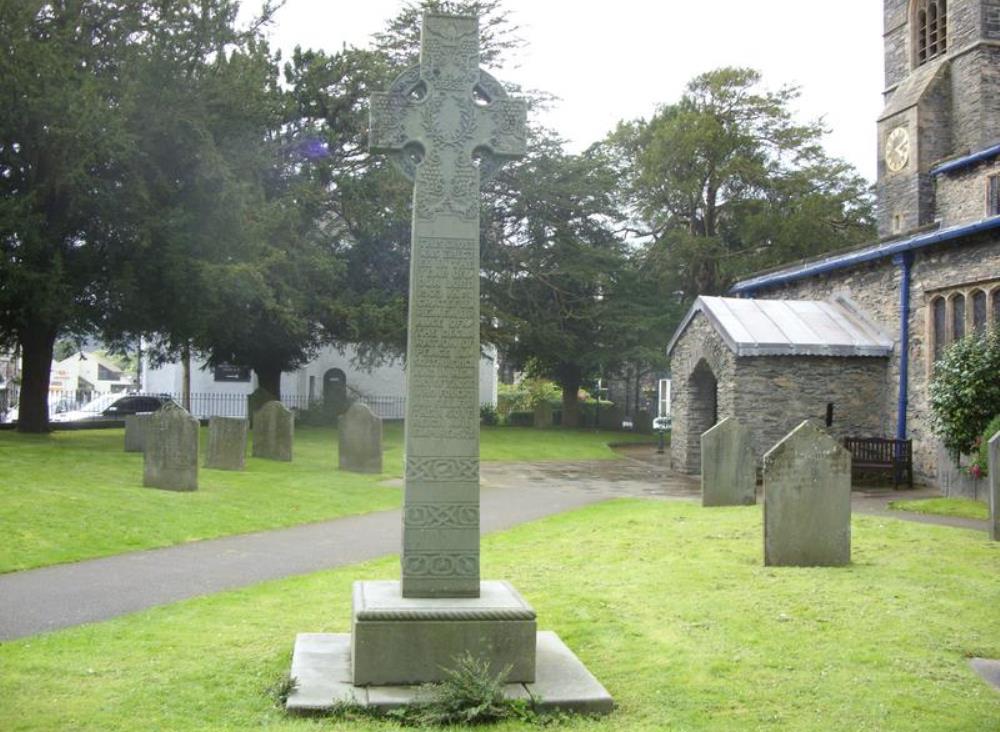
{"x":861,"y":256}
{"x":905,"y":261}
{"x":966,"y":161}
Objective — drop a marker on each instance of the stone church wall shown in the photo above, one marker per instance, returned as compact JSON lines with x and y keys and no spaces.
{"x":769,"y":394}
{"x":961,"y":196}
{"x":700,"y":341}
{"x":775,"y":393}
{"x":875,"y":288}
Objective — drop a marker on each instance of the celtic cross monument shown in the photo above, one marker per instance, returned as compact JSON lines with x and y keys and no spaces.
{"x":446,"y":124}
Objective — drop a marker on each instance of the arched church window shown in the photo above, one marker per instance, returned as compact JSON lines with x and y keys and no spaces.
{"x":979,"y":311}
{"x":930,"y":29}
{"x":940,"y":327}
{"x":958,"y":317}
{"x":996,"y":308}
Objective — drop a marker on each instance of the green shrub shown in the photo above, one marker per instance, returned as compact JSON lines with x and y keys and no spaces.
{"x":488,"y":415}
{"x":965,"y":390}
{"x":471,"y":694}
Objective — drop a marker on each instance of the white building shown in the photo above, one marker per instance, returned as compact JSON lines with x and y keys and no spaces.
{"x":331,"y":374}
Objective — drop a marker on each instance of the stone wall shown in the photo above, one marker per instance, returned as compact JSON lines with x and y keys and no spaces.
{"x":774,"y":394}
{"x":875,"y":287}
{"x":961,"y":195}
{"x":699,"y":343}
{"x":976,"y":98}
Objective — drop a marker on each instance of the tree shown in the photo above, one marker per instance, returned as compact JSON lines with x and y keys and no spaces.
{"x":965,"y":390}
{"x":551,"y":258}
{"x":724,"y":182}
{"x":79,"y":210}
{"x":65,"y":175}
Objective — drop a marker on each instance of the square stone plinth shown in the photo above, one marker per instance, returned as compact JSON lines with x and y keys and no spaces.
{"x":321,"y":666}
{"x":400,"y":641}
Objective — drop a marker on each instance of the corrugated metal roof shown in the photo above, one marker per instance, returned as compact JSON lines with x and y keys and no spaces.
{"x":790,"y":327}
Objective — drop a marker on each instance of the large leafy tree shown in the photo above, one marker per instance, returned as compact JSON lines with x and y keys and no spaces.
{"x":66,"y":175}
{"x":724,"y":181}
{"x":551,"y":260}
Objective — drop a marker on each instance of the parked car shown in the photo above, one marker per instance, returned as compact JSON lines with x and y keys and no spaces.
{"x":112,"y":406}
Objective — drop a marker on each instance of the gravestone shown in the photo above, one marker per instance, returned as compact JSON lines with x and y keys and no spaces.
{"x":807,"y":500}
{"x":273,"y":432}
{"x":993,"y":462}
{"x":728,"y":468}
{"x":227,"y":443}
{"x":171,"y":452}
{"x":447,"y":125}
{"x":360,"y":440}
{"x":136,"y":426}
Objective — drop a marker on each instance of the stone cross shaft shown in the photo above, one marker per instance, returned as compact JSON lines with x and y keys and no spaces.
{"x":447,"y":125}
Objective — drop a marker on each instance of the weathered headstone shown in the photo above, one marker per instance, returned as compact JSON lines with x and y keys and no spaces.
{"x":136,"y":426}
{"x":994,"y":470}
{"x":273,"y":432}
{"x":360,"y":440}
{"x":227,"y":443}
{"x":447,"y":125}
{"x":171,"y":451}
{"x":807,"y":500}
{"x":728,"y":468}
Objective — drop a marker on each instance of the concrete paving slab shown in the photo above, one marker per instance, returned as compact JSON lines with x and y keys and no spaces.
{"x":563,"y":683}
{"x":321,"y":667}
{"x":988,"y":669}
{"x":321,"y":663}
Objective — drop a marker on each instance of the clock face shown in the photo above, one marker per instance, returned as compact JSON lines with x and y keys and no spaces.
{"x":897,"y":149}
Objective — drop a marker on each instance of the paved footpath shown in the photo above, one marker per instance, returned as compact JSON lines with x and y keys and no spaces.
{"x":41,"y":600}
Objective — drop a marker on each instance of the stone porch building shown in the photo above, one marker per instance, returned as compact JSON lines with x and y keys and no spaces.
{"x":934,"y":275}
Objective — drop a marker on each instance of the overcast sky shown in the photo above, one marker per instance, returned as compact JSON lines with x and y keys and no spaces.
{"x":618,"y":60}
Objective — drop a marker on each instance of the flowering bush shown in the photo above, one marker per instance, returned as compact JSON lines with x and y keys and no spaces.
{"x":965,"y":391}
{"x":980,"y":465}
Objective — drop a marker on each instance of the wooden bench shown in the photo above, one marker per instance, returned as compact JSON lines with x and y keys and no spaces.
{"x":884,"y":454}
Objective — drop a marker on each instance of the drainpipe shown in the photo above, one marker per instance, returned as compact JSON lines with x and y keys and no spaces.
{"x":905,"y":261}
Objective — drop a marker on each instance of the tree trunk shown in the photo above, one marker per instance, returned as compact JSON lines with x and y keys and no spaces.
{"x":269,"y":379}
{"x":37,"y":344}
{"x":186,"y":378}
{"x":138,"y":365}
{"x":570,"y":402}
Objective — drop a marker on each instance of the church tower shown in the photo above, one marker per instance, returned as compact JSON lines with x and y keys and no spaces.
{"x":942,"y":102}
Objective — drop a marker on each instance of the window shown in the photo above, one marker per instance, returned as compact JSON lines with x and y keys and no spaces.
{"x":663,"y":409}
{"x":829,"y":414}
{"x":940,"y":327}
{"x":953,"y":312}
{"x":993,"y":195}
{"x":957,"y":317}
{"x":979,"y":311}
{"x":930,"y":29}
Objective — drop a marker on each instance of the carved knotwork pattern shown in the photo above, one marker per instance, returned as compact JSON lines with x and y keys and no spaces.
{"x":441,"y":564}
{"x":442,"y":516}
{"x":442,"y":468}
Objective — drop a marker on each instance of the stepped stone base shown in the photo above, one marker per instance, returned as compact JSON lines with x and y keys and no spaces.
{"x":397,"y":640}
{"x":321,"y":666}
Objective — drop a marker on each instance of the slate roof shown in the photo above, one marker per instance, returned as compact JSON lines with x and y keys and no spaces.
{"x":790,"y":327}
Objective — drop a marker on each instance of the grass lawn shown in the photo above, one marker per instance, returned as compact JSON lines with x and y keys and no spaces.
{"x":666,"y":602}
{"x":76,"y":494}
{"x":960,"y":507}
